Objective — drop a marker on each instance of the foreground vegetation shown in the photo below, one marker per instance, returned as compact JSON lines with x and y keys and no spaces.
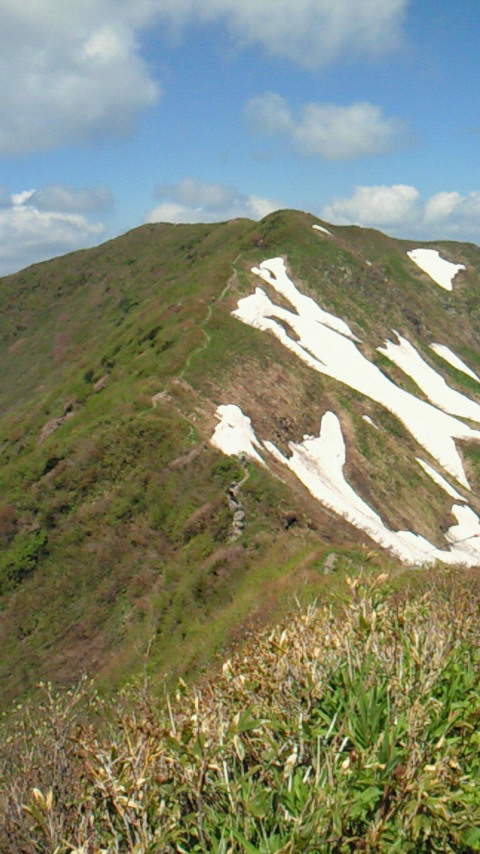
{"x":352,"y":727}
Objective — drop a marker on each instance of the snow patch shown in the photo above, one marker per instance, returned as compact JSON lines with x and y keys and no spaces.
{"x":318,"y":463}
{"x":325,"y":344}
{"x":445,"y":353}
{"x":274,"y":273}
{"x":429,"y":380}
{"x":369,"y":421}
{"x":234,"y":434}
{"x":439,"y":269}
{"x":468,"y":527}
{"x":439,"y":480}
{"x":321,"y":228}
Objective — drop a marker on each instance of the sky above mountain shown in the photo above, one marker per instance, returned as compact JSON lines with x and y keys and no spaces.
{"x":119,"y":112}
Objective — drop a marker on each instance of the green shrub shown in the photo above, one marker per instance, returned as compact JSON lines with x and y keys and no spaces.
{"x":345,"y":732}
{"x":21,"y":558}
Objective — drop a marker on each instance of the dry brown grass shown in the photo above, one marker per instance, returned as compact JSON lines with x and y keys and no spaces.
{"x":352,"y":729}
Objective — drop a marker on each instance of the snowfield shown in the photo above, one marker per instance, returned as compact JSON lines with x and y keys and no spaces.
{"x":439,"y":269}
{"x":234,"y":435}
{"x":368,"y":420}
{"x":439,"y":480}
{"x":431,"y":383}
{"x":445,"y":353}
{"x":318,"y":463}
{"x":325,"y":344}
{"x":328,"y":345}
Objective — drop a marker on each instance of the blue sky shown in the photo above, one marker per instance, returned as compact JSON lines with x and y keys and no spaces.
{"x":118,"y":112}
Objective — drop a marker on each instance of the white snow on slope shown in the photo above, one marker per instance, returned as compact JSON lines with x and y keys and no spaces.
{"x":318,"y":463}
{"x":274,"y":273}
{"x":439,"y":480}
{"x":429,"y":380}
{"x":463,"y":535}
{"x":234,"y":434}
{"x":321,"y":228}
{"x":369,"y":421}
{"x":439,"y":269}
{"x":445,"y":353}
{"x":327,"y":351}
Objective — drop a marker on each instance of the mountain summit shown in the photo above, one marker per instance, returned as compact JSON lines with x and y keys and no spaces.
{"x":197,"y":419}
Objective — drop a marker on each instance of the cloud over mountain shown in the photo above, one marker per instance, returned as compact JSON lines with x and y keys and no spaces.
{"x":68,"y":199}
{"x":329,"y":131}
{"x":400,"y":209}
{"x":193,"y":200}
{"x":32,"y":232}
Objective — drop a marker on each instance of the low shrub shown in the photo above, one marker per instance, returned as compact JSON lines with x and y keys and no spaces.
{"x":341,"y":732}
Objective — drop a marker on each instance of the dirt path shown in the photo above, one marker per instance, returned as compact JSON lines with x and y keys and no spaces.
{"x":202,"y":347}
{"x":207,"y":337}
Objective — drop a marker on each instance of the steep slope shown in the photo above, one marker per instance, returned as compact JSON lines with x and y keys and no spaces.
{"x":120,"y":526}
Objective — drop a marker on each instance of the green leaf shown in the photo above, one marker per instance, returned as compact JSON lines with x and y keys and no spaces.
{"x":246,"y":722}
{"x":258,"y":806}
{"x":369,"y":795}
{"x":471,"y":838}
{"x":247,"y":845}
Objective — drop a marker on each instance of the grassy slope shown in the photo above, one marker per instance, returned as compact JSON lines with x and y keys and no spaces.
{"x":114,"y":529}
{"x":349,"y":727}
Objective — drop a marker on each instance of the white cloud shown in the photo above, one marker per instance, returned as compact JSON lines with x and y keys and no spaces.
{"x":5,"y":198}
{"x":376,"y":206}
{"x":28,"y":234}
{"x":195,"y":193}
{"x":193,"y":200}
{"x":73,"y":73}
{"x":401,"y":211}
{"x":455,"y":211}
{"x":69,"y":74}
{"x":270,"y":114}
{"x":309,"y":32}
{"x":327,"y":130}
{"x":68,"y":199}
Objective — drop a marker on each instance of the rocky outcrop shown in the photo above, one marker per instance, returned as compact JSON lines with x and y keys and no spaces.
{"x":50,"y":426}
{"x":235,"y":505}
{"x":290,"y":518}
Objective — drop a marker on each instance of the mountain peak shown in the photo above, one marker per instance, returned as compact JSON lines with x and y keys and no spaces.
{"x":318,"y":366}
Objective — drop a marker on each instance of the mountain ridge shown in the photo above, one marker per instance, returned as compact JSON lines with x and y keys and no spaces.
{"x":115,"y":524}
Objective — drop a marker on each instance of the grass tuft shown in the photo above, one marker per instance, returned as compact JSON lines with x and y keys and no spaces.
{"x":354,"y":729}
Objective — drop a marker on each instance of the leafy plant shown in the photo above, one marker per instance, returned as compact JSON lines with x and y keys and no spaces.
{"x":338,"y":732}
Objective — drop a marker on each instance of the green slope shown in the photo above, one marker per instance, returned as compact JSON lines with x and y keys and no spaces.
{"x":114,"y":527}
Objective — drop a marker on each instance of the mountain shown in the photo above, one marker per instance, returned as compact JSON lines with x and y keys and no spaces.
{"x":200,"y":422}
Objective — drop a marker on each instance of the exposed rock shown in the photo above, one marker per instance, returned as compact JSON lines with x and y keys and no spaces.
{"x":329,"y":563}
{"x":289,"y":519}
{"x":70,"y":405}
{"x":52,"y":425}
{"x":235,"y":505}
{"x":186,"y":459}
{"x":49,"y":427}
{"x":160,"y":395}
{"x":100,"y":383}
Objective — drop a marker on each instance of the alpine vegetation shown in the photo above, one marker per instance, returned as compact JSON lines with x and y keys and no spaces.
{"x":347,"y":729}
{"x":201,"y":422}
